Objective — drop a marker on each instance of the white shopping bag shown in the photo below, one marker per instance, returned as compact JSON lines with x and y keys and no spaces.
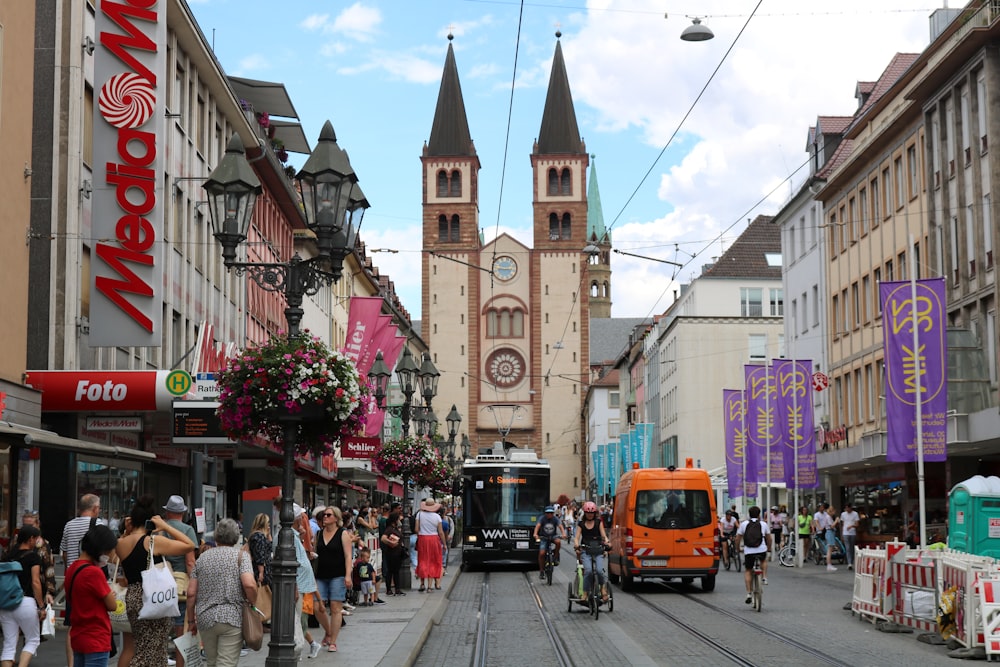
{"x":189,"y":647}
{"x":159,"y":590}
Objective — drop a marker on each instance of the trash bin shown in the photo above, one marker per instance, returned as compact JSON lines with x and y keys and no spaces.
{"x":974,"y":516}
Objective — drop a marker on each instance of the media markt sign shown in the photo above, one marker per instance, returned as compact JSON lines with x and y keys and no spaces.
{"x":206,"y":387}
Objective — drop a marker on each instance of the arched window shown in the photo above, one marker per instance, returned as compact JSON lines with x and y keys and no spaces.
{"x":565,"y":187}
{"x":594,"y":290}
{"x":607,"y":291}
{"x":565,"y":225}
{"x":454,"y":229}
{"x":593,"y":259}
{"x":553,"y":182}
{"x":456,"y":183}
{"x":505,"y":323}
{"x":442,"y":228}
{"x":553,"y":227}
{"x":442,"y":183}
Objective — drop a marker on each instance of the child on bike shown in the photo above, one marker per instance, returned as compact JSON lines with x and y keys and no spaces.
{"x":590,"y":533}
{"x":754,"y":551}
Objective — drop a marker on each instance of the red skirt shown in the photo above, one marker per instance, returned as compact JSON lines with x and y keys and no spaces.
{"x":428,"y":557}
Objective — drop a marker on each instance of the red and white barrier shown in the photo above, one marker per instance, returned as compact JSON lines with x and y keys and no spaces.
{"x":916,"y":589}
{"x":961,"y":574}
{"x":989,"y":601}
{"x":869,"y":584}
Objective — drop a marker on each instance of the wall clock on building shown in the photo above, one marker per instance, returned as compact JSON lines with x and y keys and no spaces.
{"x":505,"y":368}
{"x":504,"y":268}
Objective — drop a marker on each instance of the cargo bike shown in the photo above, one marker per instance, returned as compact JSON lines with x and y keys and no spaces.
{"x":594,"y":600}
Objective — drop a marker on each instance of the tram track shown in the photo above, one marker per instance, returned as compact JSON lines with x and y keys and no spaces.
{"x":818,"y":656}
{"x":484,"y":628}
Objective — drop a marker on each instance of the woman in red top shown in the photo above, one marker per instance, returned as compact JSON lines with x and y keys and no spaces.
{"x":89,"y":599}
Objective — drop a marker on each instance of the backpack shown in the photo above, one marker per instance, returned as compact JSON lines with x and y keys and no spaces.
{"x":753,"y":535}
{"x":11,"y":592}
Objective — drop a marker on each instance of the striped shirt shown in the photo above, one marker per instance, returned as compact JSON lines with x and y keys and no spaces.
{"x":73,"y":532}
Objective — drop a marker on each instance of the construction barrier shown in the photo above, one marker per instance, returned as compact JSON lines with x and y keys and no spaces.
{"x":960,"y":594}
{"x":989,"y":608}
{"x":869,"y":584}
{"x":916,"y":590}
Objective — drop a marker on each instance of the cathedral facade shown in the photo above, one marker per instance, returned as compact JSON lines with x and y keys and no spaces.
{"x":508,"y":324}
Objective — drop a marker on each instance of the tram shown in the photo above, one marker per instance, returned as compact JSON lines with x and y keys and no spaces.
{"x":505,"y":493}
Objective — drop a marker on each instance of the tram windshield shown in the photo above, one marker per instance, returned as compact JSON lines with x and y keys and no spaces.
{"x":511,"y":496}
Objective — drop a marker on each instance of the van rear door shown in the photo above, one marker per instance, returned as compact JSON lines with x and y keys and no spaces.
{"x":674,"y":528}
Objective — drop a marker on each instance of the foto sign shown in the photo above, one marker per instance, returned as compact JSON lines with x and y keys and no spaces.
{"x":129,"y":119}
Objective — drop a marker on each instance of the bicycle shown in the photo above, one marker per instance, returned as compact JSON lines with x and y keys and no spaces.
{"x":550,"y":560}
{"x":757,"y":583}
{"x":593,"y":600}
{"x":731,"y":556}
{"x":786,"y":556}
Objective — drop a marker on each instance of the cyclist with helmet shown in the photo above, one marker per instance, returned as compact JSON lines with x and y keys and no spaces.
{"x":728,"y":525}
{"x":548,"y":529}
{"x":589,"y":533}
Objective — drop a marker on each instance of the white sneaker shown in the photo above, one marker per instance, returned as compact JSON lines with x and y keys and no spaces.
{"x":348,"y":607}
{"x":830,"y":568}
{"x":314,"y":649}
{"x":244,"y":652}
{"x":171,"y":662}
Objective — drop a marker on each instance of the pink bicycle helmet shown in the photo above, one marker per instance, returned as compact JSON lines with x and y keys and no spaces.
{"x":589,"y":506}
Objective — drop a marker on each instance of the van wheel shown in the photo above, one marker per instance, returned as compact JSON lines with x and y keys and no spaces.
{"x":628,"y":583}
{"x":708,"y":583}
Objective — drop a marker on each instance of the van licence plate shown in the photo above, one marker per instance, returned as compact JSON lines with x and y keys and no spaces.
{"x":654,"y":562}
{"x":522,"y":545}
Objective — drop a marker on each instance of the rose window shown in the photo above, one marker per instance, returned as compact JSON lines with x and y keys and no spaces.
{"x":505,"y":367}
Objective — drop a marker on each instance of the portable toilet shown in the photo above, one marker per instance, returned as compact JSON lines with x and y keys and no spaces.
{"x":974,"y":516}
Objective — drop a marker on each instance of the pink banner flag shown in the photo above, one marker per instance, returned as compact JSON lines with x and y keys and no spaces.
{"x":362,"y":324}
{"x":391,"y":345}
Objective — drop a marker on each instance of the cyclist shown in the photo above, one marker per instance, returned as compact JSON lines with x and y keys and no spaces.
{"x":728,"y":526}
{"x":548,"y":529}
{"x":751,"y":552}
{"x":590,"y":532}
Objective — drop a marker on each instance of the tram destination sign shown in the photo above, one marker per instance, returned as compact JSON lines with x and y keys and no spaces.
{"x":195,"y":423}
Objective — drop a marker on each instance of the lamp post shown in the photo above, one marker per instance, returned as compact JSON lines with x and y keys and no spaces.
{"x":333,"y":203}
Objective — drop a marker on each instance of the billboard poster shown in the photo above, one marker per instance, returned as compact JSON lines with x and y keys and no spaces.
{"x":795,"y":423}
{"x":916,"y":368}
{"x":130,"y":84}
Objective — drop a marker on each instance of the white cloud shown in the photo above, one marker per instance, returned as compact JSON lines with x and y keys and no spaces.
{"x":315,"y":22}
{"x":254,"y":62}
{"x":357,"y":22}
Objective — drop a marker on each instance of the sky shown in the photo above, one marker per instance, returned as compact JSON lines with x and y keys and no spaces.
{"x":691,"y":139}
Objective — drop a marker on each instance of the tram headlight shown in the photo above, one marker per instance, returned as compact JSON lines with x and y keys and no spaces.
{"x":471,"y":539}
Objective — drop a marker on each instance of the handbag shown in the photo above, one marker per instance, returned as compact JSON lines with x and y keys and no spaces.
{"x":119,"y":617}
{"x":264,"y":602}
{"x":159,"y":590}
{"x":253,"y":620}
{"x":181,"y":579}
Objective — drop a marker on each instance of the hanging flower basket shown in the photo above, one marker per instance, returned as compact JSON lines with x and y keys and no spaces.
{"x":414,"y":459}
{"x":294,"y":379}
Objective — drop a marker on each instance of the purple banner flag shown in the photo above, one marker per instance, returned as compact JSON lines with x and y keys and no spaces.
{"x":762,"y":428}
{"x":732,"y":410}
{"x":909,"y":366}
{"x":795,"y":422}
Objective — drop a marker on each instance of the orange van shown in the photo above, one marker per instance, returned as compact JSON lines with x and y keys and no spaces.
{"x":664,"y":525}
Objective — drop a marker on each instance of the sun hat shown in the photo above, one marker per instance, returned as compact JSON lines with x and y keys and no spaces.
{"x":430,"y":505}
{"x":175,"y":504}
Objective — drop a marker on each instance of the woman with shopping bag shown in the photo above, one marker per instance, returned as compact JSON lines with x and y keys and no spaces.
{"x":24,"y":617}
{"x":89,"y":598}
{"x":146,"y":645}
{"x":221,"y":585}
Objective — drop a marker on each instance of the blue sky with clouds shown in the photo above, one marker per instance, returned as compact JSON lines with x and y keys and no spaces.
{"x":373,"y":68}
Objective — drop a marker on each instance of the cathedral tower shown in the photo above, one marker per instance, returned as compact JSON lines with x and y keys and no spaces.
{"x":598,"y":250}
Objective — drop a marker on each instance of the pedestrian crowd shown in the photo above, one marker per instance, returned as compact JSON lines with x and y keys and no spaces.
{"x":144,"y":577}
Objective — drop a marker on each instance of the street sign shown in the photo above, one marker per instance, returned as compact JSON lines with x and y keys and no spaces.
{"x":205,"y":386}
{"x":195,"y":423}
{"x":820,"y":381}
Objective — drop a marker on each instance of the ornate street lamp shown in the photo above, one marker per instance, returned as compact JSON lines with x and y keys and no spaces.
{"x":378,"y":379}
{"x":333,"y":203}
{"x":406,"y":372}
{"x":428,"y":378}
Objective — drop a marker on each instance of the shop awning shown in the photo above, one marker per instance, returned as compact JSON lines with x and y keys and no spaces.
{"x":26,"y":436}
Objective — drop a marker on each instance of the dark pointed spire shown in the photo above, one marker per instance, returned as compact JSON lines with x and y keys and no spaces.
{"x":450,"y":130}
{"x":559,"y":132}
{"x":596,"y":231}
